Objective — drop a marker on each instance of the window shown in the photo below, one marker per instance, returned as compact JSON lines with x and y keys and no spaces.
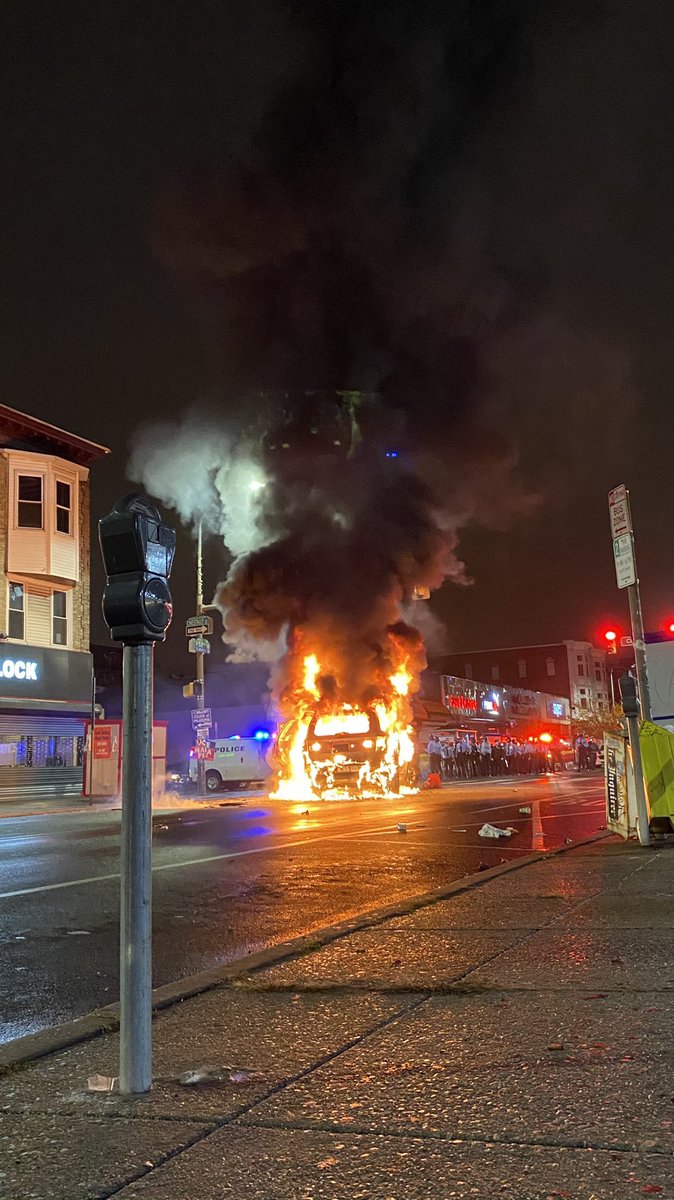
{"x":583,"y":702}
{"x":16,"y":612}
{"x":600,"y":703}
{"x":495,"y":673}
{"x":468,"y":670}
{"x":597,"y":676}
{"x":581,"y":669}
{"x":60,"y":618}
{"x":522,"y":668}
{"x":29,"y":504}
{"x":63,"y":507}
{"x":550,"y":666}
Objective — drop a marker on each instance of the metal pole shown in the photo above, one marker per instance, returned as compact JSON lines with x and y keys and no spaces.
{"x":201,"y":701}
{"x":610,"y":671}
{"x":638,"y":771}
{"x":92,"y":727}
{"x":639,"y":645}
{"x":135,"y":1054}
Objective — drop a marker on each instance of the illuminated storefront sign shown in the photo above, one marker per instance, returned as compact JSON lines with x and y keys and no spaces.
{"x":18,"y":668}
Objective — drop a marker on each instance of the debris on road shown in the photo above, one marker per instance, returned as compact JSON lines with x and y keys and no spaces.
{"x":79,"y":932}
{"x":493,"y":831}
{"x":102,"y":1083}
{"x":223,"y":1074}
{"x":160,"y":826}
{"x":556,"y":1046}
{"x":401,"y":827}
{"x":525,"y":810}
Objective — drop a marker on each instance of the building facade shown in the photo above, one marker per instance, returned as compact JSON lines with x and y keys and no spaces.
{"x":45,"y":664}
{"x":451,"y":704}
{"x":576,"y":670}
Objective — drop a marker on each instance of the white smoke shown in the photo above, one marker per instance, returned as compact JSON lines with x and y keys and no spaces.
{"x":206,"y":474}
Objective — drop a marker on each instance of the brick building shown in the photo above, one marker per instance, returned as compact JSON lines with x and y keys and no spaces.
{"x":574,"y":669}
{"x":45,"y":664}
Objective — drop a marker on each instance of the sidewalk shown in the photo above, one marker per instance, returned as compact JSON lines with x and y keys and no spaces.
{"x":512,"y":1042}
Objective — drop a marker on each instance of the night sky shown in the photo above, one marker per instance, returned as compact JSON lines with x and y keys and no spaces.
{"x":475,"y":200}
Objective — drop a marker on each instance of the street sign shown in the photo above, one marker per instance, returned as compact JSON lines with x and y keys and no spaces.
{"x":199,"y":645}
{"x":201,"y":716}
{"x":623,"y":554}
{"x":626,"y":641}
{"x":619,"y":511}
{"x":196,"y":625}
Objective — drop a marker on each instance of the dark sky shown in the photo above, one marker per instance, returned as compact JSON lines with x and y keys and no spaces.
{"x":517,"y":156}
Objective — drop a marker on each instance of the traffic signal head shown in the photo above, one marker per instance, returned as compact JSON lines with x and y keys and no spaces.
{"x":138,"y":552}
{"x":629,"y":696}
{"x":611,"y":638}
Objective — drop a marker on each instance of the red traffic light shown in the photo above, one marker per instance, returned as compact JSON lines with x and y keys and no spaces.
{"x":669,"y":628}
{"x":611,"y":635}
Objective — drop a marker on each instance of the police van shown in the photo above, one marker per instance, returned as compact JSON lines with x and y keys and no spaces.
{"x":234,"y":762}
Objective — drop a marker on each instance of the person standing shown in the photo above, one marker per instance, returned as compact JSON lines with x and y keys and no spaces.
{"x":485,"y":757}
{"x":434,"y":756}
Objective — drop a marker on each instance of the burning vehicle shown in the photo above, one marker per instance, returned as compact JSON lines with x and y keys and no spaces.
{"x":330,"y":749}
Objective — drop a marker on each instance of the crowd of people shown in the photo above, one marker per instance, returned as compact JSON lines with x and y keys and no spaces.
{"x":467,"y":757}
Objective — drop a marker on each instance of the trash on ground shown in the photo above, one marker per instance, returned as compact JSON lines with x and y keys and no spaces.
{"x":493,"y":831}
{"x":223,"y":1074}
{"x":433,"y":780}
{"x":79,"y":932}
{"x":556,"y":1046}
{"x":525,"y":810}
{"x":102,"y":1083}
{"x":160,"y":827}
{"x":401,"y":827}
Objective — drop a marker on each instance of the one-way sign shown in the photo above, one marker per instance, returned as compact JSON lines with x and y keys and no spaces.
{"x":198,"y":625}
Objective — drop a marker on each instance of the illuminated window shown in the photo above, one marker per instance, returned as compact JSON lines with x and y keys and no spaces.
{"x":63,"y":507}
{"x":17,"y":612}
{"x":550,"y":666}
{"x":522,"y":668}
{"x":495,"y":673}
{"x":29,"y":502}
{"x":60,"y":618}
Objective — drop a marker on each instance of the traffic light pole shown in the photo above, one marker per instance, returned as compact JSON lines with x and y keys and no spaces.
{"x":135,"y":960}
{"x":200,"y":698}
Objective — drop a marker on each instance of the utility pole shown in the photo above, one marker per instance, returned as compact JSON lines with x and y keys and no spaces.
{"x":138,"y":552}
{"x":200,"y":698}
{"x":630,"y":703}
{"x":626,"y":575}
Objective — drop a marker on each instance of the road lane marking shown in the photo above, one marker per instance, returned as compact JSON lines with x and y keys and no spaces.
{"x":193,"y":862}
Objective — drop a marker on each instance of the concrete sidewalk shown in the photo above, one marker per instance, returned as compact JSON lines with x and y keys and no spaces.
{"x":513,"y":1041}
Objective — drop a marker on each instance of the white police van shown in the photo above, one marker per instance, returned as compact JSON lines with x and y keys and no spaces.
{"x":235,"y":762}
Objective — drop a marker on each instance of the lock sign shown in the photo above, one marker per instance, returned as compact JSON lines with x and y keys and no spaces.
{"x":18,"y":668}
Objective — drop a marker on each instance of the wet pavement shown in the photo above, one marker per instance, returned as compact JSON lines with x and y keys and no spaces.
{"x":232,"y":879}
{"x":456,"y":1080}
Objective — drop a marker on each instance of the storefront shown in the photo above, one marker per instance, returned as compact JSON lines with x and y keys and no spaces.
{"x":45,"y":698}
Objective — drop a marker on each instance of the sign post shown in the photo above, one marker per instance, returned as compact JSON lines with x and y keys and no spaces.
{"x":630,"y":701}
{"x":627,"y":576}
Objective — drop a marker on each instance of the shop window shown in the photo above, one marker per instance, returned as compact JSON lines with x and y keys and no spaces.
{"x":550,"y":666}
{"x":63,"y":507}
{"x":522,"y":668}
{"x":16,"y":620}
{"x":29,"y":503}
{"x":495,"y":673}
{"x":60,"y":618}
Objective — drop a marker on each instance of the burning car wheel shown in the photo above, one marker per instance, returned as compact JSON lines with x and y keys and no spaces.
{"x":213,"y":781}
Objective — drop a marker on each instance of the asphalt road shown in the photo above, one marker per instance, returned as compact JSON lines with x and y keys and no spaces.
{"x":229,"y":880}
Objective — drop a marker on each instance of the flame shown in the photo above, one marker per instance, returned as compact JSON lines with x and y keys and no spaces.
{"x":330,"y":748}
{"x":311,"y":669}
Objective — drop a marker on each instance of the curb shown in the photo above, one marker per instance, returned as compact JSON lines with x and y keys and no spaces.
{"x":106,"y":1020}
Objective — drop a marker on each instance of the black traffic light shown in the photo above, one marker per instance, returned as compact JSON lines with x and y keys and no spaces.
{"x":629,"y":696}
{"x":138,"y":552}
